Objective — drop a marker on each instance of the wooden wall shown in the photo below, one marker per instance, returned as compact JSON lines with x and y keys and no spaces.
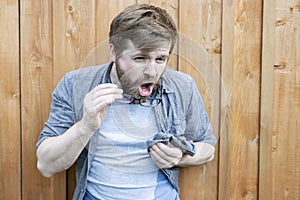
{"x":243,"y":54}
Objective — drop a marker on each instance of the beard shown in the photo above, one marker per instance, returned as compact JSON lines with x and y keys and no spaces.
{"x":133,"y":80}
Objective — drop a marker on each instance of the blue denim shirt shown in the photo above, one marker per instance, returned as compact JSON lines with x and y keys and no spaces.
{"x":181,"y":112}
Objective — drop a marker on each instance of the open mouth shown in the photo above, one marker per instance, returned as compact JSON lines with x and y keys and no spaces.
{"x":145,"y":90}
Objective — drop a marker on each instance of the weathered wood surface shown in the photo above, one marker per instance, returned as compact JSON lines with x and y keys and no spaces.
{"x":266,"y":108}
{"x":239,"y":139}
{"x":286,"y":112}
{"x":254,"y":107}
{"x":199,"y":56}
{"x":10,"y":144}
{"x":36,"y":87}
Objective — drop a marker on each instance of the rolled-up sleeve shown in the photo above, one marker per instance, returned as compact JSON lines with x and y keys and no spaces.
{"x":61,"y":116}
{"x":198,"y":126}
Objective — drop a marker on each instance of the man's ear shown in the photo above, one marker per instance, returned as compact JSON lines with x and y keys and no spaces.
{"x":112,"y":52}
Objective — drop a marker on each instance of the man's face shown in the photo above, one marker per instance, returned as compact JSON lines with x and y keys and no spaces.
{"x":139,"y":70}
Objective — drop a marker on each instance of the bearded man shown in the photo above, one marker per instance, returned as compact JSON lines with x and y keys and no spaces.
{"x":130,"y":123}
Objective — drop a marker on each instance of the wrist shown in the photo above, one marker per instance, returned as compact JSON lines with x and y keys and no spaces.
{"x":85,"y":128}
{"x":184,"y":160}
{"x":83,"y":132}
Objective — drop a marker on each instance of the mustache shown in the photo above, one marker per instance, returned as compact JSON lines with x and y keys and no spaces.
{"x":130,"y":87}
{"x":141,"y":80}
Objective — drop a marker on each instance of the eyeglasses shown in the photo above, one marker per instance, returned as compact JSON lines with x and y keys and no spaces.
{"x":143,"y":101}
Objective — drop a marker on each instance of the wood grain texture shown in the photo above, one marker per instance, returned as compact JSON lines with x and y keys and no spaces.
{"x":246,"y":99}
{"x":241,"y":142}
{"x":74,"y":34}
{"x":10,"y":143}
{"x":37,"y":86}
{"x":228,"y":13}
{"x":266,"y":104}
{"x":286,"y":151}
{"x":255,"y":45}
{"x":199,"y":56}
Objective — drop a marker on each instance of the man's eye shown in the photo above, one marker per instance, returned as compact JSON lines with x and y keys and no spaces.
{"x":139,"y":58}
{"x":161,"y":60}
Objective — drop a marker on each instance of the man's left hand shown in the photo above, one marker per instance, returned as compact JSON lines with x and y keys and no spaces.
{"x":165,"y":156}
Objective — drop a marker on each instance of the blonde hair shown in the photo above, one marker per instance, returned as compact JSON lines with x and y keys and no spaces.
{"x":144,"y":25}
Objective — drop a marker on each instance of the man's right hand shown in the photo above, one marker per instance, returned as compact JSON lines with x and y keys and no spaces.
{"x":96,"y":103}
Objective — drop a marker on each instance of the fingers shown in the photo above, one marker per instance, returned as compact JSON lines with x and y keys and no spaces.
{"x":107,"y":89}
{"x":105,"y":94}
{"x":96,"y":103}
{"x":165,"y":156}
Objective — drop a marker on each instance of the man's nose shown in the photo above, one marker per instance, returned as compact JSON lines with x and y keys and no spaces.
{"x":150,"y":69}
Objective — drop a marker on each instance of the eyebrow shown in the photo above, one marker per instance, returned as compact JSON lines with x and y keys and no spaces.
{"x":141,"y":52}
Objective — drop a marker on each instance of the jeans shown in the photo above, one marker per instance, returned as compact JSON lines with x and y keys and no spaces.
{"x":89,"y":196}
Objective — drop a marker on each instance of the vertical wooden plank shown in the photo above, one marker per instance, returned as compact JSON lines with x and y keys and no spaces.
{"x":73,"y":34}
{"x":10,"y":162}
{"x":286,"y":151}
{"x":199,"y":56}
{"x":228,"y":17}
{"x":242,"y":126}
{"x":200,"y":50}
{"x":36,"y":82}
{"x":266,"y":108}
{"x":62,"y":52}
{"x":246,"y":100}
{"x":296,"y":102}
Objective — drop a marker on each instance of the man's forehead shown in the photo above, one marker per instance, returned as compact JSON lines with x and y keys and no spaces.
{"x":164,"y":48}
